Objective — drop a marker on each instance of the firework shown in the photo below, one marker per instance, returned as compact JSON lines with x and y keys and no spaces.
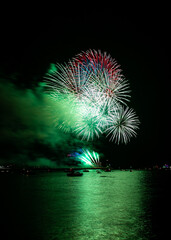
{"x":67,"y":79}
{"x":90,"y":157}
{"x":94,"y":61}
{"x":88,"y":125}
{"x":122,"y":125}
{"x":105,"y":74}
{"x":93,"y":84}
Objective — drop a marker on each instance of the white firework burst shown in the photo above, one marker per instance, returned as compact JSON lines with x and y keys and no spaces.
{"x":113,"y":89}
{"x":68,"y":78}
{"x":122,"y":125}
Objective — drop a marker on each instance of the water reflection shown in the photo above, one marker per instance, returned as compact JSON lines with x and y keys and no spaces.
{"x":112,"y":205}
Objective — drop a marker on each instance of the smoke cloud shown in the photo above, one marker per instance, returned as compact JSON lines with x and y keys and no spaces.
{"x":28,"y":132}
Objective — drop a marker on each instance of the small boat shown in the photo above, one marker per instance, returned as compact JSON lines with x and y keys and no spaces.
{"x":85,"y":170}
{"x":74,"y":174}
{"x":98,"y":171}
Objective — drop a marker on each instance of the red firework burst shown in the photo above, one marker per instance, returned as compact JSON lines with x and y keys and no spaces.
{"x":94,"y":61}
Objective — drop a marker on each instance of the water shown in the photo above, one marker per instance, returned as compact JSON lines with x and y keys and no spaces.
{"x":112,"y":205}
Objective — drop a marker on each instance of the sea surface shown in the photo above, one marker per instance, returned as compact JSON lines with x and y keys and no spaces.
{"x":112,"y":205}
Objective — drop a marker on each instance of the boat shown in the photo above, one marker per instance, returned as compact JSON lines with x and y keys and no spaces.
{"x":85,"y":170}
{"x":98,"y":171}
{"x":74,"y":174}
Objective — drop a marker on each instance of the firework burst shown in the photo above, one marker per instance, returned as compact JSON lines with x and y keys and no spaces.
{"x":96,"y":89}
{"x":90,"y":157}
{"x":94,"y":61}
{"x":122,"y":125}
{"x":67,"y":79}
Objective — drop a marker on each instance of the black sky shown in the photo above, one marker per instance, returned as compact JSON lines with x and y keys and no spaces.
{"x":137,"y":37}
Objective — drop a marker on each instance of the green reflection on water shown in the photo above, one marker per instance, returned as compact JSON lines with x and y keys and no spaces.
{"x":111,"y":205}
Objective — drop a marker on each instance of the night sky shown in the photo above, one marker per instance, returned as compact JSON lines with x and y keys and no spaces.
{"x":32,"y":39}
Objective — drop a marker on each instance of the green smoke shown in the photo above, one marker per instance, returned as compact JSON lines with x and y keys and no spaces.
{"x":29,"y":126}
